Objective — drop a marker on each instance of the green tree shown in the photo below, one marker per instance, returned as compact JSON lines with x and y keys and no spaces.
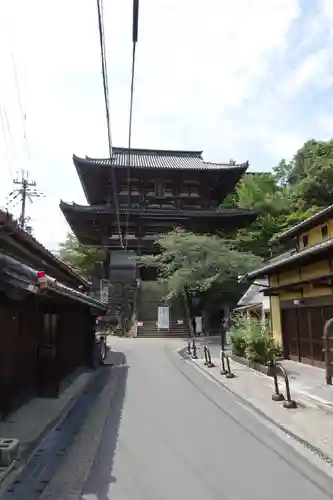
{"x":282,"y":173}
{"x":82,"y":258}
{"x":293,"y":192}
{"x":265,"y":194}
{"x":198,"y":262}
{"x":311,"y":175}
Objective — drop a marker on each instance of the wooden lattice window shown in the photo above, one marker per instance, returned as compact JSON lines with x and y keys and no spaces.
{"x":305,"y":240}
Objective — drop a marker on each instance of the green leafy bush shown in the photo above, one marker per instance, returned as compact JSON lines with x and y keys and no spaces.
{"x":274,"y":349}
{"x":253,"y":340}
{"x":256,"y":348}
{"x":238,"y":330}
{"x":238,"y":344}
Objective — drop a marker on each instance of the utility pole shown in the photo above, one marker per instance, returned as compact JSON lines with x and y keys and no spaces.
{"x":25,"y":192}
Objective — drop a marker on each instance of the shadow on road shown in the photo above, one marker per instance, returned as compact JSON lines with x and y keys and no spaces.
{"x":100,"y":475}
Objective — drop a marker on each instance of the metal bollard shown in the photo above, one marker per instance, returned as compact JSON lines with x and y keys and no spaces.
{"x":229,"y":373}
{"x":277,"y":396}
{"x":209,"y":364}
{"x":206,"y":356}
{"x":194,"y":349}
{"x":223,"y":371}
{"x":188,"y":346}
{"x":288,"y":402}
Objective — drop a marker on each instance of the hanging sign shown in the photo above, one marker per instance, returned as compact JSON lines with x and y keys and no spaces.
{"x":163,"y":318}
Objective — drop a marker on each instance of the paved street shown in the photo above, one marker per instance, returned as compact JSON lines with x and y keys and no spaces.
{"x":171,"y":433}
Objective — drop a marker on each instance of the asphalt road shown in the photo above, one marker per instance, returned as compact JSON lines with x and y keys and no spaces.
{"x":173,"y":434}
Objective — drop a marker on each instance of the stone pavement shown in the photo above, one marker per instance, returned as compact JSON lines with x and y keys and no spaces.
{"x":33,"y":421}
{"x":68,"y":486}
{"x":310,"y":382}
{"x":307,"y":380}
{"x":311,"y":423}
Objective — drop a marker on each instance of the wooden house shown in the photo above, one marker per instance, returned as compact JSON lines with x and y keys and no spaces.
{"x":47,"y":318}
{"x":301,"y":286}
{"x":254,"y":303}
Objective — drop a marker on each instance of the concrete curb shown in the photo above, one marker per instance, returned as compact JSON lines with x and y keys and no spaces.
{"x":314,"y":449}
{"x":115,"y":384}
{"x":8,"y":476}
{"x":73,"y":489}
{"x":78,"y":493}
{"x":60,"y":417}
{"x":304,"y":399}
{"x":62,"y":485}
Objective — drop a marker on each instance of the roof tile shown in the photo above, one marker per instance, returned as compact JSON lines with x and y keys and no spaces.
{"x":289,"y":258}
{"x":146,"y":158}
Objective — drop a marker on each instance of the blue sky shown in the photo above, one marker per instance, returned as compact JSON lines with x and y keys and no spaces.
{"x":247,"y":79}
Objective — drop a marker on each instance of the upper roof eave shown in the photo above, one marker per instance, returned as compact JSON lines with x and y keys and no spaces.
{"x":304,"y":225}
{"x":195,"y":155}
{"x":176,"y":152}
{"x":7,"y":220}
{"x":296,"y":258}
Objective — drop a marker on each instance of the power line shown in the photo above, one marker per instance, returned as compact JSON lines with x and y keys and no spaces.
{"x":23,"y":114}
{"x":5,"y":132}
{"x":107,"y":112}
{"x":134,"y":42}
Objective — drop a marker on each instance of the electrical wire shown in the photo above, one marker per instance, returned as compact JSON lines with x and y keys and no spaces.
{"x":22,"y":113}
{"x":134,"y":42}
{"x":107,"y":112}
{"x":5,"y":130}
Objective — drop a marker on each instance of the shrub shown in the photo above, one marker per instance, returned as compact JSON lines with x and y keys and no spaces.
{"x":256,"y":348}
{"x":274,"y":349}
{"x":253,"y":340}
{"x":238,"y":344}
{"x":238,"y":330}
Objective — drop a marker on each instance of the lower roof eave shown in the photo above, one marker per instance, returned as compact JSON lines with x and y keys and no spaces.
{"x":248,"y":307}
{"x":100,"y":210}
{"x":58,"y":288}
{"x":20,"y":276}
{"x":17,"y":275}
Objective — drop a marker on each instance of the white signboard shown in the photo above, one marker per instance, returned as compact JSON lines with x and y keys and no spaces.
{"x":198,"y":324}
{"x":163,"y":317}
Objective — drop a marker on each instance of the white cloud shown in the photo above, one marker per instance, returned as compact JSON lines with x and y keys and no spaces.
{"x":204,"y":80}
{"x":327,"y":8}
{"x":314,"y":69}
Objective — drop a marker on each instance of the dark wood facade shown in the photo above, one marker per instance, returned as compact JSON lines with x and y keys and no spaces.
{"x":46,"y":330}
{"x":156,"y":192}
{"x":42,"y":340}
{"x":147,"y":193}
{"x":98,"y":226}
{"x":177,"y":178}
{"x":302,"y":329}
